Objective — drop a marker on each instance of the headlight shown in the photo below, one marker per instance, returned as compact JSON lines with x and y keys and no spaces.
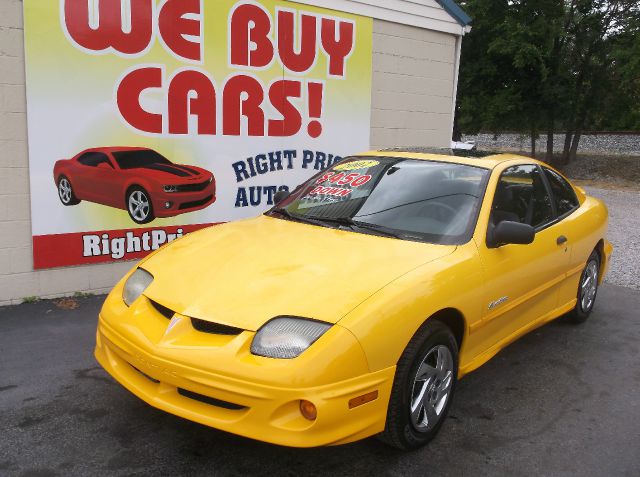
{"x":287,"y":337}
{"x":170,"y":188}
{"x":136,"y":284}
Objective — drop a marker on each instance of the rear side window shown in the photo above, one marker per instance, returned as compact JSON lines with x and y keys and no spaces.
{"x":521,"y":196}
{"x":94,"y":159}
{"x":563,"y":194}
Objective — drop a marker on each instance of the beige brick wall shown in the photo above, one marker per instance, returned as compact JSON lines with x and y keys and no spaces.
{"x":17,"y":278}
{"x":412,"y":97}
{"x":413,"y":86}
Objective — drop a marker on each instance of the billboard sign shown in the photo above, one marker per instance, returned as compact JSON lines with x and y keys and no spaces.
{"x":148,"y":119}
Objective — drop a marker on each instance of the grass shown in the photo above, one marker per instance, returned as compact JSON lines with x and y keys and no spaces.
{"x":31,"y":299}
{"x":82,"y":295}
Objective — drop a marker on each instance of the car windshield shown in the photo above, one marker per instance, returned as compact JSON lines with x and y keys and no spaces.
{"x":436,"y":202}
{"x":139,"y":158}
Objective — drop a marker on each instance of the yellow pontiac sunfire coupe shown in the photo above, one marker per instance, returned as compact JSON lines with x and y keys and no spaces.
{"x":354,"y":305}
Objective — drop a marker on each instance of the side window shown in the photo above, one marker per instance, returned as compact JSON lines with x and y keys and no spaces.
{"x":521,"y":196}
{"x":94,"y":159}
{"x":563,"y":193}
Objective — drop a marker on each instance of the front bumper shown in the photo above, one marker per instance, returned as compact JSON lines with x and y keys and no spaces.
{"x":183,"y":202}
{"x":174,"y":378}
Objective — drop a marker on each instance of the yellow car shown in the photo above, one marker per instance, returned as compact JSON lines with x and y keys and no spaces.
{"x":354,"y":305}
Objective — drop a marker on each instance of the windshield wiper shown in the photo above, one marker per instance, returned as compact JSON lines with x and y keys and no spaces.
{"x":349,"y":222}
{"x":299,"y":218}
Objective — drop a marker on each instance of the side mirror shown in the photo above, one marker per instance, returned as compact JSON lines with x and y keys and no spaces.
{"x":507,"y":232}
{"x":280,"y":196}
{"x":104,"y":165}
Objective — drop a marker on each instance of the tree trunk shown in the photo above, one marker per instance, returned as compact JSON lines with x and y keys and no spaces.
{"x":574,"y":146}
{"x":549,"y":155}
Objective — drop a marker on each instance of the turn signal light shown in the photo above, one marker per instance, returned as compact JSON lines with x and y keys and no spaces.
{"x":308,"y":410}
{"x":364,"y":399}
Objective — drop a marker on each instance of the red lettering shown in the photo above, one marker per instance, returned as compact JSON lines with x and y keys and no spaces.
{"x":109,"y":32}
{"x":315,"y":95}
{"x":348,"y":179}
{"x":304,"y":60}
{"x":243,"y":96}
{"x":360,"y":181}
{"x":250,"y":42}
{"x":128,"y":99}
{"x":192,"y":92}
{"x":336,"y":177}
{"x":173,"y":27}
{"x":338,"y":49}
{"x":324,"y":177}
{"x":279,"y":95}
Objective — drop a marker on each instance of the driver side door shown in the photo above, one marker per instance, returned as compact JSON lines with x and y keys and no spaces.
{"x":521,"y":280}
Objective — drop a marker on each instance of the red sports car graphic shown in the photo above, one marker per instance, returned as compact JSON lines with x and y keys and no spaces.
{"x":138,"y":180}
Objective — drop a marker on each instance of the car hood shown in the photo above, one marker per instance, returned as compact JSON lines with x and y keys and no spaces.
{"x":244,"y":273}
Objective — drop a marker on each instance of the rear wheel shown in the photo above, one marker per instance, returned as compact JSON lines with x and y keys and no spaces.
{"x":587,"y":290}
{"x":423,"y":387}
{"x":139,"y":206}
{"x":65,"y":192}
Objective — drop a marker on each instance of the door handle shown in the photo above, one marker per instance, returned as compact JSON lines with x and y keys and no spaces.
{"x":562,"y":240}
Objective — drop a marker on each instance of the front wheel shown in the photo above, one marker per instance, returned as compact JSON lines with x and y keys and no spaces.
{"x":65,"y":192}
{"x":587,"y":290}
{"x":139,"y":206}
{"x":423,"y":387}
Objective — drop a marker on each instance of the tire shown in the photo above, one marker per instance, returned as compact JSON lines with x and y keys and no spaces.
{"x":138,"y":204}
{"x":65,"y":192}
{"x":587,"y":290}
{"x":431,"y":346}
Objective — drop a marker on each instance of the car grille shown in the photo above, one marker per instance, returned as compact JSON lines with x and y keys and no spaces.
{"x":195,"y":203}
{"x":197,"y":397}
{"x":153,"y":380}
{"x":209,"y":400}
{"x":214,"y":328}
{"x":198,"y":324}
{"x":192,"y":187}
{"x":163,"y":310}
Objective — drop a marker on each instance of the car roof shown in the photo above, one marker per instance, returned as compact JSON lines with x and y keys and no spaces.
{"x":488,"y":160}
{"x":116,"y":149}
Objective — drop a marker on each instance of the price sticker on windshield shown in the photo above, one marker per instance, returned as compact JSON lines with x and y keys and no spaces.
{"x":355,"y":165}
{"x":354,"y":179}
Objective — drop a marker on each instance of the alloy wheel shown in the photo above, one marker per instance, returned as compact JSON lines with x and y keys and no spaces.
{"x":139,"y":205}
{"x":64,"y":190}
{"x":431,"y":388}
{"x":589,"y":286}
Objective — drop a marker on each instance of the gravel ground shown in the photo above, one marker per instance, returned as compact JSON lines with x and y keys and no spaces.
{"x":624,"y":234}
{"x":625,"y":144}
{"x":616,"y":171}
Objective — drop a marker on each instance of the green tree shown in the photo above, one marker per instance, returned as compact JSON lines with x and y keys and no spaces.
{"x":548,"y":65}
